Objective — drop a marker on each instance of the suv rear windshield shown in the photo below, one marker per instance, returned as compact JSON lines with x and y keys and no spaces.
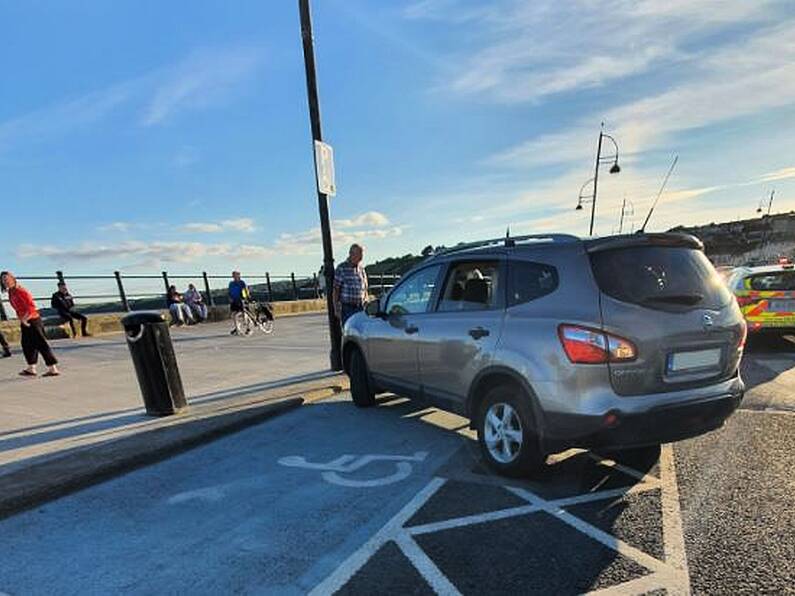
{"x":659,"y":277}
{"x":773,"y":281}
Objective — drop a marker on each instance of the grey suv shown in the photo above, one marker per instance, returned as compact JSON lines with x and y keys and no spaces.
{"x":551,"y":342}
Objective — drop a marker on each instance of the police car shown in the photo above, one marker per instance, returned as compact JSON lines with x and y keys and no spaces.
{"x":766,"y":296}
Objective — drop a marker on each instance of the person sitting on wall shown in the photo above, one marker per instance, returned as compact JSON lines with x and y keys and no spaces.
{"x":194,"y":300}
{"x":63,"y":303}
{"x":180,"y":312}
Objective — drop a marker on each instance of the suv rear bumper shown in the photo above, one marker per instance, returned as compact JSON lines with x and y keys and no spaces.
{"x":662,"y":424}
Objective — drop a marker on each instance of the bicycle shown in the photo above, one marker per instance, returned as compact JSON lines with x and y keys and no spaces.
{"x":254,"y":316}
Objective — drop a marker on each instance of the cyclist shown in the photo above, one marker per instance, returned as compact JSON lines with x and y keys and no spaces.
{"x":238,"y":294}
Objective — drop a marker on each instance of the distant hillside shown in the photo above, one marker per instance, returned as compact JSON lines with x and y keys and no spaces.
{"x":399,"y":265}
{"x":748,"y":241}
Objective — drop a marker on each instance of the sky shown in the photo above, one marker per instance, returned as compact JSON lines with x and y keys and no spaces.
{"x":144,"y":136}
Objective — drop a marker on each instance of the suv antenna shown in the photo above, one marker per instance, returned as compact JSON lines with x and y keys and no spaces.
{"x":508,"y":240}
{"x":659,"y":194}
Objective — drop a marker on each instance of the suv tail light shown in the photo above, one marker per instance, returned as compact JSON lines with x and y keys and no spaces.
{"x":743,"y":336}
{"x":584,"y":345}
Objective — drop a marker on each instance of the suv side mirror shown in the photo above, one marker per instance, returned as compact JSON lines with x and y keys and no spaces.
{"x":373,"y":309}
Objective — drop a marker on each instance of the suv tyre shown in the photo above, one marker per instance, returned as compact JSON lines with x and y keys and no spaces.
{"x":507,"y":432}
{"x":361,"y":391}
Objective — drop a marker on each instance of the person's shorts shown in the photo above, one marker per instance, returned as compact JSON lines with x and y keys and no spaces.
{"x":236,"y":306}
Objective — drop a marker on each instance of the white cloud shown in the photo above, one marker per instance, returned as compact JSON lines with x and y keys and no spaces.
{"x":175,"y":252}
{"x":68,"y":115}
{"x":782,"y":174}
{"x":242,"y":224}
{"x":204,"y":79}
{"x":725,"y":85}
{"x":116,"y":226}
{"x":360,"y":228}
{"x":371,"y":225}
{"x":201,"y":80}
{"x":204,"y":228}
{"x":309,"y":241}
{"x":528,"y":50}
{"x":371,"y":218}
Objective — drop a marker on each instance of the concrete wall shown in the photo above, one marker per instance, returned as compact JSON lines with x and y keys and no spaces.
{"x":111,"y":323}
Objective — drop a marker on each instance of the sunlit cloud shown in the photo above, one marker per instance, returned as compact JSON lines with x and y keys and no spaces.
{"x":361,"y":228}
{"x":243,"y":224}
{"x":782,"y":174}
{"x":371,"y":218}
{"x":165,"y":252}
{"x":116,"y":226}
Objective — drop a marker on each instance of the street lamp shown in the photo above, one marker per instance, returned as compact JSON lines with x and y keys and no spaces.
{"x":625,"y":211}
{"x":766,"y":202}
{"x":600,"y":159}
{"x":581,"y":198}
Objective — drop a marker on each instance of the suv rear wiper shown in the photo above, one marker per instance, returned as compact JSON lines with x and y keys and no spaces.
{"x":688,"y":299}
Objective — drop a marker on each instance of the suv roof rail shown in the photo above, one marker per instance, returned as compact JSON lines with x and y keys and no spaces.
{"x":508,"y":242}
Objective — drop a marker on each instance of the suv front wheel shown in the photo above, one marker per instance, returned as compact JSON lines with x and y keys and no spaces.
{"x":361,"y":392}
{"x":506,"y":432}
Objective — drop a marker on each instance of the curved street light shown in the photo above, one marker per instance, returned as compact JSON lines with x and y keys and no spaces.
{"x":600,"y":159}
{"x":581,"y":199}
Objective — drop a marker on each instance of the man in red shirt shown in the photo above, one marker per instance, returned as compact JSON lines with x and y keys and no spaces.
{"x":34,"y":341}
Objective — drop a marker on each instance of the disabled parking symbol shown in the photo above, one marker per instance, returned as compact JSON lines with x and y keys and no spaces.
{"x":336,"y":471}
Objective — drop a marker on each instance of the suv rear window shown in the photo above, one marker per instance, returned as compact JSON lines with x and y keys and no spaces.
{"x":773,"y":281}
{"x":659,"y":277}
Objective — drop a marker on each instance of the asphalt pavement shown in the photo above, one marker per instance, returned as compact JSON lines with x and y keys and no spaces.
{"x":394,"y":499}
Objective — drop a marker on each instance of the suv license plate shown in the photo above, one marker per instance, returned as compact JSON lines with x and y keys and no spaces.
{"x":684,"y":361}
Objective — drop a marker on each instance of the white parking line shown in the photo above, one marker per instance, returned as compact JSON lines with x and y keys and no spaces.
{"x":641,"y":585}
{"x":670,"y":574}
{"x":356,"y":561}
{"x":471,"y":520}
{"x":593,"y":532}
{"x":673,"y":534}
{"x":427,"y":568}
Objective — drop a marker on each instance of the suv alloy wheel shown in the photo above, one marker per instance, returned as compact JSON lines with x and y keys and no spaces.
{"x":506,"y":432}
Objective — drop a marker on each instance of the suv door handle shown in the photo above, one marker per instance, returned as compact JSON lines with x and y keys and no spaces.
{"x":478,"y":332}
{"x":411,"y":329}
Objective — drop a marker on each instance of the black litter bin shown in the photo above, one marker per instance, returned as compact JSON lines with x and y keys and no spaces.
{"x":155,"y":363}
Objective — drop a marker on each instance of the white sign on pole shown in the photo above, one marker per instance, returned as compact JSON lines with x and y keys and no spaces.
{"x":324,"y":165}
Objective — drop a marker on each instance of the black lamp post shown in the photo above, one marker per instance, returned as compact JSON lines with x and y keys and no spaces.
{"x":600,"y":159}
{"x":335,"y":333}
{"x":766,"y":202}
{"x":627,"y":208}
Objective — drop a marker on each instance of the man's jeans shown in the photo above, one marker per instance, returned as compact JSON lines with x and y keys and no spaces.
{"x":348,"y":310}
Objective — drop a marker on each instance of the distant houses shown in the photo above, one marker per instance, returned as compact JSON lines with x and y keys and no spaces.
{"x":748,"y":241}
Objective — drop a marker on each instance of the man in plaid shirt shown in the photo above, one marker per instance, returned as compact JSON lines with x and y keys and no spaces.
{"x":350,"y":284}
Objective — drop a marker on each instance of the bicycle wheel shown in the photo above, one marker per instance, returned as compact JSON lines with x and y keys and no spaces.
{"x":243,"y":323}
{"x":266,"y":326}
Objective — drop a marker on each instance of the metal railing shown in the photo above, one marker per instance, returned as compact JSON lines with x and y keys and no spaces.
{"x":268,"y":287}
